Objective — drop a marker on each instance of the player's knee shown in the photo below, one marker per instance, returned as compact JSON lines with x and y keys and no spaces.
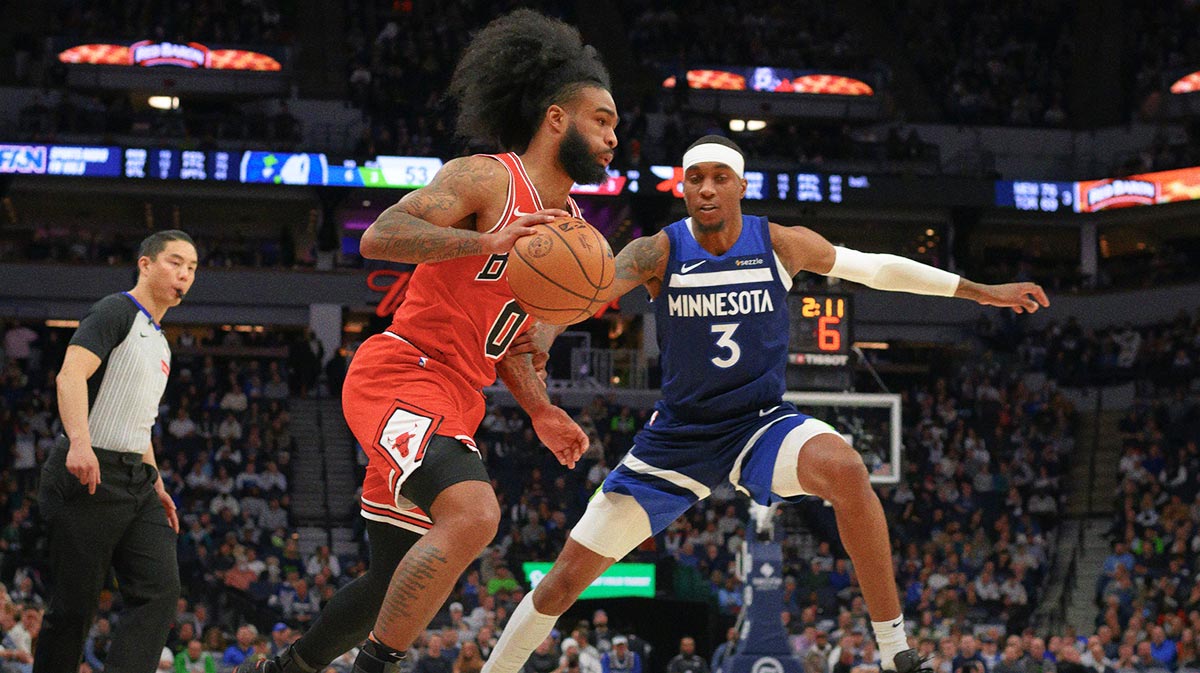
{"x":488,"y":521}
{"x":475,"y":526}
{"x":847,"y":475}
{"x":836,"y":468}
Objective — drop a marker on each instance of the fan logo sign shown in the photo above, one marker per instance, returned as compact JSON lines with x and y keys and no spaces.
{"x":148,"y":53}
{"x":23,"y":159}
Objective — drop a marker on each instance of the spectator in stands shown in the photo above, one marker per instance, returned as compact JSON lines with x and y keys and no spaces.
{"x":687,"y":661}
{"x":182,"y":426}
{"x":297,"y":603}
{"x":18,"y":642}
{"x":433,"y":661}
{"x":281,"y":637}
{"x":234,"y":400}
{"x":194,"y":659}
{"x":18,"y":344}
{"x":1163,"y":649}
{"x":242,"y":648}
{"x":724,"y":651}
{"x":968,"y":658}
{"x":469,"y":659}
{"x":575,"y":661}
{"x":621,"y":659}
{"x":95,"y":648}
{"x":272,"y":480}
{"x":275,"y":516}
{"x":322,"y":559}
{"x":544,"y":659}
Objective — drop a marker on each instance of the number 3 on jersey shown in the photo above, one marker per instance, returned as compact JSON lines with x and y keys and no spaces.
{"x":726,"y":341}
{"x":504,"y":329}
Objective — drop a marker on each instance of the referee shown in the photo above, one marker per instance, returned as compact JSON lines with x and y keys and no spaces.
{"x":101,"y":495}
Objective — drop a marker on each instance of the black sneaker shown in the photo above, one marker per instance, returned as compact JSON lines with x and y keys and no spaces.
{"x":907,"y":661}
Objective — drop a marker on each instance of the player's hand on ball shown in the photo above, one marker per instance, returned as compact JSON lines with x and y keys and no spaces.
{"x":565,"y":439}
{"x":1020,"y":297}
{"x":503,"y":240}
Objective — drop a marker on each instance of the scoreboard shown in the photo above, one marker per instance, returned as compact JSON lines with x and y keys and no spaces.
{"x":820,"y":341}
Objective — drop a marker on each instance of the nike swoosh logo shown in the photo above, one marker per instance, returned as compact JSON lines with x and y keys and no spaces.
{"x":518,"y":213}
{"x":764,"y":412}
{"x":897,"y":624}
{"x":688,"y":267}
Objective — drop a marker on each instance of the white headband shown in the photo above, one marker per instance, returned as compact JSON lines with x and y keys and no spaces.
{"x":722,"y":154}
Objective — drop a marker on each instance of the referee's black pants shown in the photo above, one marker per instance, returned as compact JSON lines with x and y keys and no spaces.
{"x":122,"y":526}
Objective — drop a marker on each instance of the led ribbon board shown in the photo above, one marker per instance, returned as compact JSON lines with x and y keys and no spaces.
{"x":150,"y":53}
{"x":774,"y":80}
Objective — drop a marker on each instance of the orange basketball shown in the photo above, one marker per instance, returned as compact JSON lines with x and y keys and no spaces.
{"x":560,"y":274}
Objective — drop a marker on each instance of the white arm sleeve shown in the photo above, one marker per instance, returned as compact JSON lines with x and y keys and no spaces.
{"x":891,"y":272}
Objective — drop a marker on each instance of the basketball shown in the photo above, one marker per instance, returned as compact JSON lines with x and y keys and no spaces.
{"x":559,"y":275}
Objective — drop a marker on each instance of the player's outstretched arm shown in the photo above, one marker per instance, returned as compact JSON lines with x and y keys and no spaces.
{"x":642,"y":262}
{"x":802,"y":249}
{"x":1020,"y":297}
{"x":437,"y":222}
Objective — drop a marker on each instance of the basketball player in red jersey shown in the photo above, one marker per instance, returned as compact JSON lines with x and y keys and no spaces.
{"x":412,"y":394}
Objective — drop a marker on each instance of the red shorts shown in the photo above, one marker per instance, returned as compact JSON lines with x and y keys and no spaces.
{"x":395,"y":399}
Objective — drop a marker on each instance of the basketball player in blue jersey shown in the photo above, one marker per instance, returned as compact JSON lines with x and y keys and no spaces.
{"x":719,"y":281}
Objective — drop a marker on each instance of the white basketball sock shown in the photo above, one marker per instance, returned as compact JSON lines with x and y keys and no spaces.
{"x":526,"y":629}
{"x":891,"y":639}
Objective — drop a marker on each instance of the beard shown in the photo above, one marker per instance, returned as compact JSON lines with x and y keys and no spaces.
{"x":578,"y":160}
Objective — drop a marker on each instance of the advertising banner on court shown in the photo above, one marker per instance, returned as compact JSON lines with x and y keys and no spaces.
{"x":622,"y":580}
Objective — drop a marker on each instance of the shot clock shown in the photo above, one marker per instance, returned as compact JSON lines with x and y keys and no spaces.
{"x":820,"y":341}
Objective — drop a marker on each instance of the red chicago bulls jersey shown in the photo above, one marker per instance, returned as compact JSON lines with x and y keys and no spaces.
{"x":461,"y":312}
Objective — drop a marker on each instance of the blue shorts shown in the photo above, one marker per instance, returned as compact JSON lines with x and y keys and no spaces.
{"x":674,"y":464}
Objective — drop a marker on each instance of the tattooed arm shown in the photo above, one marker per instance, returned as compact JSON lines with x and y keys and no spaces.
{"x":553,"y":426}
{"x":642,"y":262}
{"x":437,"y":222}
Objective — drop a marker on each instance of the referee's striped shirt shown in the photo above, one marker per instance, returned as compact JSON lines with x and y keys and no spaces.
{"x":135,"y":359}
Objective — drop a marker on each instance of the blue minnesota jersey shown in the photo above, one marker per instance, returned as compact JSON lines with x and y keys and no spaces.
{"x":722,"y":325}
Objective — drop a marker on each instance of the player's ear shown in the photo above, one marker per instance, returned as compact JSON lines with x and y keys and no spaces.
{"x":556,"y":118}
{"x":745,"y":184}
